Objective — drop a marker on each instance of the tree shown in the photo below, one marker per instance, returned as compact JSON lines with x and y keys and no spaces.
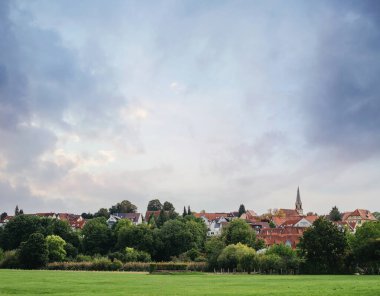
{"x":17,"y":211}
{"x":271,"y":224}
{"x":239,"y":231}
{"x":335,"y":215}
{"x":377,"y":215}
{"x":168,"y":206}
{"x":19,"y":229}
{"x":3,"y":216}
{"x":62,"y":229}
{"x":121,"y":224}
{"x":139,"y":237}
{"x":21,"y":212}
{"x":174,"y":238}
{"x":152,"y":221}
{"x":238,"y":256}
{"x":123,"y":207}
{"x":290,"y":260}
{"x":214,"y":246}
{"x":154,"y":205}
{"x":56,"y":247}
{"x":103,"y":212}
{"x":96,"y":236}
{"x":189,"y":211}
{"x":87,"y":216}
{"x":184,"y":212}
{"x":34,"y":252}
{"x":323,"y":246}
{"x":162,"y":218}
{"x":241,"y":210}
{"x":365,"y":245}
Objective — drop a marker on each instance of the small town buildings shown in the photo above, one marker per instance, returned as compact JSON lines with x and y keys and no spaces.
{"x":135,"y":218}
{"x":289,"y":236}
{"x":359,"y":216}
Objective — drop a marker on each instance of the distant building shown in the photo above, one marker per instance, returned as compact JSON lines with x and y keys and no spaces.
{"x":289,"y":236}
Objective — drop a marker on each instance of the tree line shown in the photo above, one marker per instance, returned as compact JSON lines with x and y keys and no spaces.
{"x":29,"y":241}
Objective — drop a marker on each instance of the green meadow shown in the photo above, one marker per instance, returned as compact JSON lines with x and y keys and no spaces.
{"x":22,"y":282}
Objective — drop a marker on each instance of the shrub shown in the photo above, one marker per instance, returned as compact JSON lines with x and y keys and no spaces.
{"x":105,"y":264}
{"x":10,"y":260}
{"x":132,"y":255}
{"x":176,"y":266}
{"x":83,"y":258}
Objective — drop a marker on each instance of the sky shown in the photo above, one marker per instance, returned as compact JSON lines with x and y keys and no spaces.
{"x":210,"y":104}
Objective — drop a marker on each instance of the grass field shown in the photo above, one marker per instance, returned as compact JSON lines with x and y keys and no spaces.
{"x":21,"y":282}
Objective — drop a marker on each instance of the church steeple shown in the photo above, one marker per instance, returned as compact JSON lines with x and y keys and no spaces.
{"x":298,"y":202}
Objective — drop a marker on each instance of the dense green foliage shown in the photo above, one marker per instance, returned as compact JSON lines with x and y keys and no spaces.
{"x":335,"y":215}
{"x":96,"y":236}
{"x":34,"y":252}
{"x":123,"y":207}
{"x":365,"y":246}
{"x":56,"y":248}
{"x":100,"y":283}
{"x":154,"y":205}
{"x":324,"y":247}
{"x":239,"y":231}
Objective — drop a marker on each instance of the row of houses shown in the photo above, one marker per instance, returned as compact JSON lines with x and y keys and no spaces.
{"x":74,"y":220}
{"x":282,"y":226}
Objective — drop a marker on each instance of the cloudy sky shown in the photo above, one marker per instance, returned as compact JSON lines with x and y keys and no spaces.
{"x":203,"y":103}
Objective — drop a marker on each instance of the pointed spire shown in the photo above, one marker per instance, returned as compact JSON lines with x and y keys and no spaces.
{"x":298,"y":202}
{"x":298,"y":196}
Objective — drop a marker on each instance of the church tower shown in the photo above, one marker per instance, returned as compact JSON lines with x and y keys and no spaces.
{"x":299,"y":203}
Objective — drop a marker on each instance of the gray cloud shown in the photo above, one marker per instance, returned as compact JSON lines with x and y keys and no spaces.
{"x":343,"y":93}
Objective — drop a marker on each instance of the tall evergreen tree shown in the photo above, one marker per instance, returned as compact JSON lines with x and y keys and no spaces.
{"x":17,"y":211}
{"x":241,"y":210}
{"x":184,"y":212}
{"x":335,"y":215}
{"x":188,"y":210}
{"x":162,"y":218}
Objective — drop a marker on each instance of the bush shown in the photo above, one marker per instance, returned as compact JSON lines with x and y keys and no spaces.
{"x":116,"y":255}
{"x":104,"y":264}
{"x":136,"y":266}
{"x":132,"y":255}
{"x":175,"y":266}
{"x":83,"y":258}
{"x":239,"y":256}
{"x":10,"y":260}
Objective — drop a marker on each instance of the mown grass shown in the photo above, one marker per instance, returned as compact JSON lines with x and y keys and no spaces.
{"x":22,"y":282}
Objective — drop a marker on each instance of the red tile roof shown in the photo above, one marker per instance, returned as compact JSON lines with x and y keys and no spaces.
{"x":363,"y":214}
{"x":211,"y":216}
{"x":289,"y":213}
{"x":311,"y":218}
{"x":149,"y":213}
{"x":273,"y":236}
